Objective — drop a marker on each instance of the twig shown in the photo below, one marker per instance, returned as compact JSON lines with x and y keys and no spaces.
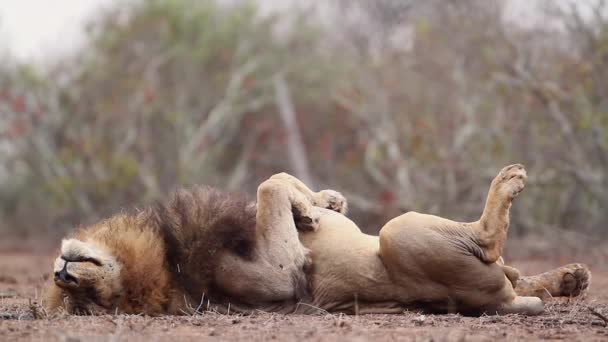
{"x":320,"y":311}
{"x":597,"y":314}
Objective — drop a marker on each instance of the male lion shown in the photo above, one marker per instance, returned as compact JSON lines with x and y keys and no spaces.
{"x":295,"y":251}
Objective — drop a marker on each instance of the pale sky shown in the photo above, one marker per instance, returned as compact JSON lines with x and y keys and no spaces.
{"x":35,"y":29}
{"x":41,"y":30}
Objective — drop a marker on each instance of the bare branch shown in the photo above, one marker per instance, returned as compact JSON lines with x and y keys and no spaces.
{"x":295,"y":144}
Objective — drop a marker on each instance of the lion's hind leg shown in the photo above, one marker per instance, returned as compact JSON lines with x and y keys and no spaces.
{"x":490,"y":232}
{"x":484,"y":238}
{"x":566,"y":281}
{"x":425,"y":249}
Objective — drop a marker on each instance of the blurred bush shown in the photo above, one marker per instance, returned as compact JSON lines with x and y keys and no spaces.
{"x":399,"y":105}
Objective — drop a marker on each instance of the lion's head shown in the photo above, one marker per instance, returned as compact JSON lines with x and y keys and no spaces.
{"x":88,"y":275}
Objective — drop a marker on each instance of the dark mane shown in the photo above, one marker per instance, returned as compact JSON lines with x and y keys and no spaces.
{"x":197,"y":225}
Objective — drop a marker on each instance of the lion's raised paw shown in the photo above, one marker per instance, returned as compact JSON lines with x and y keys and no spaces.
{"x":511,"y":180}
{"x":332,"y":200}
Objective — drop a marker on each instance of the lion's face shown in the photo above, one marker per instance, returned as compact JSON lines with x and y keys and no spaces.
{"x":89,"y":276}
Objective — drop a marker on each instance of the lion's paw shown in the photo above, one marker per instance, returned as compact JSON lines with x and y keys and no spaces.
{"x":511,"y":180}
{"x":308,"y":221}
{"x":332,"y":200}
{"x":575,"y":279}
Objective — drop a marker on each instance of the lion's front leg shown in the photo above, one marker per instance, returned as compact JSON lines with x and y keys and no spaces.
{"x":284,"y":206}
{"x":280,"y":262}
{"x":328,"y":199}
{"x":281,"y":203}
{"x":282,"y":210}
{"x":566,"y":281}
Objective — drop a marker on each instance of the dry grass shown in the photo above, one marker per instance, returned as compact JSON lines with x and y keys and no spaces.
{"x":22,"y":317}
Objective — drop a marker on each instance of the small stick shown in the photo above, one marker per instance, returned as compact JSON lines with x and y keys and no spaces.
{"x":597,"y":314}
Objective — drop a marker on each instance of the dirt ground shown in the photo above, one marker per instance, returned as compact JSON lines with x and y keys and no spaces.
{"x":23,"y":275}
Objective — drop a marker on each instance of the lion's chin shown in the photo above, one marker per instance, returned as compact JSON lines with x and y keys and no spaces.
{"x":66,"y":286}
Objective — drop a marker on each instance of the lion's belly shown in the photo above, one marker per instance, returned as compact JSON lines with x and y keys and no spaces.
{"x":347,"y":267}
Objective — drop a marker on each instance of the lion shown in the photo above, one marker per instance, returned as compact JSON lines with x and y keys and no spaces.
{"x":294,"y":251}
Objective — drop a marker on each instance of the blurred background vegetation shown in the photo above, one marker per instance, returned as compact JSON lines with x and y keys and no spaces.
{"x":400,"y":105}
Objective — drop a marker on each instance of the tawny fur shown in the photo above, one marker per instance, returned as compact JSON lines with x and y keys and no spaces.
{"x":294,"y":251}
{"x":167,"y":253}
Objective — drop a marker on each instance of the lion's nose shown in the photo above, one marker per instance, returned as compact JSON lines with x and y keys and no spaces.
{"x":64,"y":277}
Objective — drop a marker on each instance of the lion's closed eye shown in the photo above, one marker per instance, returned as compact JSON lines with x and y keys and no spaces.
{"x":82,"y":259}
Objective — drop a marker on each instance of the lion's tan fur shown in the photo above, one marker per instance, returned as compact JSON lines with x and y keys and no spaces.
{"x":294,"y":251}
{"x":200,"y":249}
{"x":144,"y":279}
